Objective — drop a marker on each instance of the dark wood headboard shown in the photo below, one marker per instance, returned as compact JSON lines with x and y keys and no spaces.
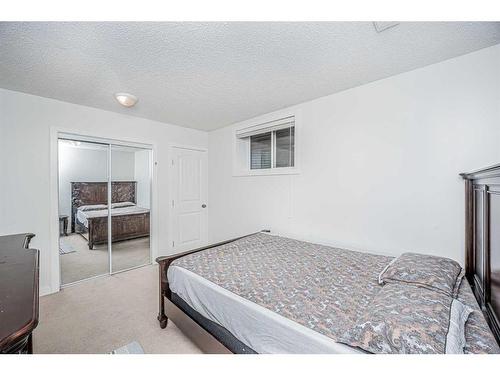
{"x":482,"y":240}
{"x":86,"y":193}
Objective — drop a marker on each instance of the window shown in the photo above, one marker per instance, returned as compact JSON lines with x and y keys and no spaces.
{"x":284,"y":147}
{"x":260,"y":151}
{"x":270,"y":145}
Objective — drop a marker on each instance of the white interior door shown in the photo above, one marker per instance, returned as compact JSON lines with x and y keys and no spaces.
{"x":189,"y":203}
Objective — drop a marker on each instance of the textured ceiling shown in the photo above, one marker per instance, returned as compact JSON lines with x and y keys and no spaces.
{"x":208,"y":75}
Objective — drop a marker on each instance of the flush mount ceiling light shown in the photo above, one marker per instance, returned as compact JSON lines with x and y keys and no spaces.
{"x":126,"y":99}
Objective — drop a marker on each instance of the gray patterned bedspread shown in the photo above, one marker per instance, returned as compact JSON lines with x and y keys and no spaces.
{"x":320,"y":287}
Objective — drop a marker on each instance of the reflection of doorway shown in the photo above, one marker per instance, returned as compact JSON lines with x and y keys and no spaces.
{"x":104,"y":205}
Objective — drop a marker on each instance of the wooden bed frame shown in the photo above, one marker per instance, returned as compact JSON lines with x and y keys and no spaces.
{"x":123,"y":227}
{"x":203,"y":339}
{"x":482,"y":260}
{"x":482,"y":241}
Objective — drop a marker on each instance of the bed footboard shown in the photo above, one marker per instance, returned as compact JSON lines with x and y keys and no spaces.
{"x":164,"y":263}
{"x":123,"y":227}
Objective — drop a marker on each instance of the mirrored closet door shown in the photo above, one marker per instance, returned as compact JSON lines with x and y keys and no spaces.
{"x":104,"y":208}
{"x":130,"y":210}
{"x":83,"y":210}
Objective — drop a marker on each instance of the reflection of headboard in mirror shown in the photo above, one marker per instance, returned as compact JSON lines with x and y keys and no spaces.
{"x":86,"y":193}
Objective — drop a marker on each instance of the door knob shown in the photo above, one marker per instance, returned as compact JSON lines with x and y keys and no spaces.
{"x":203,"y":205}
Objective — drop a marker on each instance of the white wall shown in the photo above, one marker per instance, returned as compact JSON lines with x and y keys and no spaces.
{"x":84,"y":164}
{"x":122,"y":165}
{"x":142,"y":176}
{"x":26,"y":150}
{"x":379,"y":163}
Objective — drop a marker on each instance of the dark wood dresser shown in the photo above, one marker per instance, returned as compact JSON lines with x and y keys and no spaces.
{"x":18,"y":293}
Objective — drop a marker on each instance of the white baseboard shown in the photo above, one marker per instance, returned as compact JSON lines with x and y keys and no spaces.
{"x":45,"y":290}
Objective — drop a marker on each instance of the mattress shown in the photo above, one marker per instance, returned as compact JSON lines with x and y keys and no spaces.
{"x":255,"y":326}
{"x":279,"y":295}
{"x":83,"y":216}
{"x":222,"y":335}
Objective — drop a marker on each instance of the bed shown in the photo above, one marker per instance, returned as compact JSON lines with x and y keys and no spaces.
{"x":263,"y":293}
{"x":89,"y":212}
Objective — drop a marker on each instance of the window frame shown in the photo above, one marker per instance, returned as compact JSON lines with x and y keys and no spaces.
{"x":273,"y":151}
{"x":242,"y":150}
{"x":250,"y":152}
{"x":274,"y":147}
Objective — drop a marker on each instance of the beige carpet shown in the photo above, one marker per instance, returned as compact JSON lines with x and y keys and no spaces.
{"x":85,"y":263}
{"x":99,"y":315}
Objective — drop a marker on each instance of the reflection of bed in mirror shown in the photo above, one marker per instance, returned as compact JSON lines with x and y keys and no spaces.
{"x":89,"y":212}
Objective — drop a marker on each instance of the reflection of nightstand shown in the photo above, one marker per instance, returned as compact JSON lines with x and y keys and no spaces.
{"x":64,"y":220}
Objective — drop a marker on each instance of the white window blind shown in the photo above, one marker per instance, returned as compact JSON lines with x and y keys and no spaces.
{"x":269,"y":145}
{"x":260,"y":151}
{"x":267,"y":127}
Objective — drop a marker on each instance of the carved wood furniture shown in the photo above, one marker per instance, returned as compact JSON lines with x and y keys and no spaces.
{"x":482,"y":240}
{"x":18,"y":293}
{"x":123,"y":227}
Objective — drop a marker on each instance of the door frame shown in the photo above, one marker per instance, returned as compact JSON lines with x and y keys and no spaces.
{"x":55,"y":134}
{"x":173,"y":178}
